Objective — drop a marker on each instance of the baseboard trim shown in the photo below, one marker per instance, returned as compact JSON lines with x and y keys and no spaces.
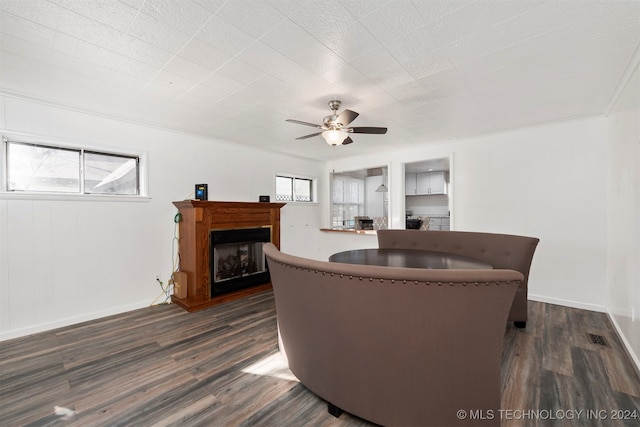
{"x":625,"y":343}
{"x":48,"y":326}
{"x":568,"y":303}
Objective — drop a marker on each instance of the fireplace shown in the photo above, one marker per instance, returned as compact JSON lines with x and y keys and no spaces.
{"x":220,"y":250}
{"x":236,"y":259}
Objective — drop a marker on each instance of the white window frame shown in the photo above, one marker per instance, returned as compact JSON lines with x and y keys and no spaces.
{"x":5,"y":193}
{"x":348,"y":222}
{"x":314,"y":187}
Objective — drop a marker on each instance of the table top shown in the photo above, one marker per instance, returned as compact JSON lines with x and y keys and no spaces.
{"x":408,"y":258}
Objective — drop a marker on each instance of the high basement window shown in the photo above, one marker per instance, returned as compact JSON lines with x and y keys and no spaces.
{"x":295,"y":188}
{"x":39,"y":168}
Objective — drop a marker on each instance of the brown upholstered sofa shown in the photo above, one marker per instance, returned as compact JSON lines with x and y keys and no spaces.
{"x":395,"y":346}
{"x":503,"y":251}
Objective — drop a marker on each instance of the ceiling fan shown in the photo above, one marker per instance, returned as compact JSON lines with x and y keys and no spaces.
{"x":334,"y":127}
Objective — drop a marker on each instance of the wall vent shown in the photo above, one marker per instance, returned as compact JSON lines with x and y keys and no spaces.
{"x":597,"y":339}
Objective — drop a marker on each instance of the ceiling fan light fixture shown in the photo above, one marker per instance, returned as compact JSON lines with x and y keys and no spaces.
{"x":334,"y":137}
{"x":333,"y":128}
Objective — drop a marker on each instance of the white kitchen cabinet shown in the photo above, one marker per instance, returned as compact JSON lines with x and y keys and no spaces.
{"x":437,"y":183}
{"x":423,"y":183}
{"x":430,"y":183}
{"x":410,"y":184}
{"x":439,"y":223}
{"x":446,"y":223}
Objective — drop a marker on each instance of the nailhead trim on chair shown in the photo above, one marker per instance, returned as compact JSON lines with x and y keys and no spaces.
{"x":393,"y":281}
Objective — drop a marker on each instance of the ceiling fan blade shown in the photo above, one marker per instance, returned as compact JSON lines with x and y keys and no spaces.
{"x":374,"y":130}
{"x":304,"y":123}
{"x":310,"y":135}
{"x":347,"y":141}
{"x":346,"y":117}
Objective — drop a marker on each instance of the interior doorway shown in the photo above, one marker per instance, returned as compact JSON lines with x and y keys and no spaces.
{"x":428,"y":194}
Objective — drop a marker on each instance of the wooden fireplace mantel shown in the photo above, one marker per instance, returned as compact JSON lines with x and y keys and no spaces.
{"x":198,"y":219}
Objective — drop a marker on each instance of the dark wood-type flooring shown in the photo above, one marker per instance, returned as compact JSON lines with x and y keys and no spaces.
{"x":162,"y":366}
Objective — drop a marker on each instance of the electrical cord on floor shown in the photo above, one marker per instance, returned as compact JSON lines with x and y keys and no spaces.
{"x":167,"y":290}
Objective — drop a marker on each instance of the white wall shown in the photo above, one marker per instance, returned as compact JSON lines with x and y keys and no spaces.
{"x":549,"y":182}
{"x":374,"y":201}
{"x":65,"y":261}
{"x":428,"y":205}
{"x":623,"y":219}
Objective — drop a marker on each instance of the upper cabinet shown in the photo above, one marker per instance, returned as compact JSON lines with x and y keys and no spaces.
{"x":433,"y":183}
{"x":410,"y":184}
{"x":425,"y":183}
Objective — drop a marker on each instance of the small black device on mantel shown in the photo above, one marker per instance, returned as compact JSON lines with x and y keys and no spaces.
{"x":202,"y":192}
{"x":264,"y":199}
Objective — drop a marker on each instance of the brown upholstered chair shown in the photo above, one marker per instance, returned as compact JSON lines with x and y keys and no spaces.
{"x":395,"y":346}
{"x":504,"y":251}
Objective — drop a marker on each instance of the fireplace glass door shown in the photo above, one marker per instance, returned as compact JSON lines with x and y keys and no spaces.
{"x":237,"y":260}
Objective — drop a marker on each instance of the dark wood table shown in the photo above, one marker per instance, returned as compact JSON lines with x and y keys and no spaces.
{"x":408,"y":258}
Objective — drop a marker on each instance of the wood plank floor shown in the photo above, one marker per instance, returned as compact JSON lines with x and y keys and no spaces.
{"x":162,"y":366}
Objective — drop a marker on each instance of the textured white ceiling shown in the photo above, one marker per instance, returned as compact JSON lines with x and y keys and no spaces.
{"x":234,"y":70}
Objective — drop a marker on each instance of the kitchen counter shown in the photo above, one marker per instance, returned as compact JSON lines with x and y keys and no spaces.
{"x":436,"y":222}
{"x":352,"y":231}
